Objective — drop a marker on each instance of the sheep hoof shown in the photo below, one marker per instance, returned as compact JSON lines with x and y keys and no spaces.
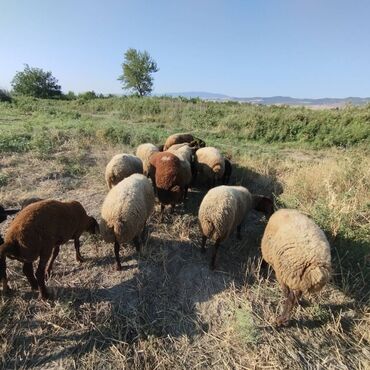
{"x":80,"y":259}
{"x":118,"y":267}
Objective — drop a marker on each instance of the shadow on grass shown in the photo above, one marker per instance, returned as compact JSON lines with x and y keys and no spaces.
{"x":351,"y":271}
{"x":159,"y":300}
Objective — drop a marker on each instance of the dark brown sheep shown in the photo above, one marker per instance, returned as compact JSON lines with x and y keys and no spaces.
{"x":228,"y":171}
{"x":168,"y":178}
{"x":4,"y":213}
{"x":37,"y":232}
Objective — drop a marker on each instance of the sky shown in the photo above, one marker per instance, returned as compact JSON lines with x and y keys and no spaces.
{"x":243,"y":48}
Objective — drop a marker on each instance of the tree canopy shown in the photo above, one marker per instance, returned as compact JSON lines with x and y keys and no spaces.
{"x":36,"y":82}
{"x":138,"y":67}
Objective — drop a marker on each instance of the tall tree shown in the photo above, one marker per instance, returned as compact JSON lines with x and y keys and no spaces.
{"x":138,"y":68}
{"x":36,"y":82}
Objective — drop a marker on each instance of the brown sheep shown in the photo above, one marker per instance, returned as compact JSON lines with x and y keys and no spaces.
{"x":38,"y":231}
{"x":168,"y":178}
{"x":182,"y":138}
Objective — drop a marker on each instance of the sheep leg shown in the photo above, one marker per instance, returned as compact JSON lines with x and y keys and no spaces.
{"x":116,"y":253}
{"x":40,"y":276}
{"x":137,"y":243}
{"x":214,"y":255}
{"x":238,"y":232}
{"x":51,"y":262}
{"x":173,"y":208}
{"x":28,"y":271}
{"x":204,"y":240}
{"x":288,"y":305}
{"x":3,"y":276}
{"x":186,"y":192}
{"x":78,"y":254}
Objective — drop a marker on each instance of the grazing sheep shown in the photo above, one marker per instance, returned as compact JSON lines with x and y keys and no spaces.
{"x":38,"y":231}
{"x":144,"y":152}
{"x":4,"y":213}
{"x":210,"y":164}
{"x":223,"y":210}
{"x":298,"y":251}
{"x":120,"y":167}
{"x":167,"y":174}
{"x":185,"y":152}
{"x":182,"y":138}
{"x":125,"y":211}
{"x":228,"y":171}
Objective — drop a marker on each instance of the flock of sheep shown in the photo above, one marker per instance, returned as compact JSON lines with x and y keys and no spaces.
{"x":292,"y":244}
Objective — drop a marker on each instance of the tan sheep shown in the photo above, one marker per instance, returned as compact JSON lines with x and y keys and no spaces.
{"x":298,"y":251}
{"x":125,"y":211}
{"x":144,"y":152}
{"x":209,"y":164}
{"x":223,"y":210}
{"x":122,"y":166}
{"x":182,"y":138}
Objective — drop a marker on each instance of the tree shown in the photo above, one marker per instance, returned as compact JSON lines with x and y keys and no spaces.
{"x":36,"y":82}
{"x":138,"y":68}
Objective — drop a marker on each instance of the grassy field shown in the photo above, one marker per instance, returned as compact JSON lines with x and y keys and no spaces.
{"x":166,"y":309}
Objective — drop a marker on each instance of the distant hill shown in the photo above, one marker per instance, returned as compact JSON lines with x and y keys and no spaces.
{"x":278,"y":100}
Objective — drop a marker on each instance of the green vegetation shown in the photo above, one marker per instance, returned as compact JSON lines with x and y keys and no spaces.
{"x":130,"y":120}
{"x":36,"y":82}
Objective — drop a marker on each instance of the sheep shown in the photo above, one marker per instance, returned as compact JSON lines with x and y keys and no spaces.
{"x":38,"y":231}
{"x":168,"y":176}
{"x":227,"y":172}
{"x":223,"y":210}
{"x":185,"y":152}
{"x":120,"y":167}
{"x":144,"y":151}
{"x":4,"y":213}
{"x":182,"y":138}
{"x":298,"y":251}
{"x":210,"y":164}
{"x":125,"y":211}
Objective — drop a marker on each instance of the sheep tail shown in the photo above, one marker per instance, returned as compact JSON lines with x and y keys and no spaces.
{"x":316,"y":278}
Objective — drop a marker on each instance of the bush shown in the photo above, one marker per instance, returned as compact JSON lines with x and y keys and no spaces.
{"x":5,"y":96}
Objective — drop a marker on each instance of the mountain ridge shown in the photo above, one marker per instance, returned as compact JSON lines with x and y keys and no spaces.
{"x":272,"y":100}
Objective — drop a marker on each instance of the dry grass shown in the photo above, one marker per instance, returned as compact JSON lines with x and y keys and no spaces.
{"x":166,"y":309}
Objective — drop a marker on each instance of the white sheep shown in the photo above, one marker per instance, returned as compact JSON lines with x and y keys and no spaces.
{"x":144,"y":152}
{"x":298,"y":251}
{"x":125,"y":211}
{"x":223,"y":210}
{"x":122,"y":166}
{"x":209,"y":164}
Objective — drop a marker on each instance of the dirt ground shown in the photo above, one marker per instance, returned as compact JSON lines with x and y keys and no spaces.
{"x":166,"y":308}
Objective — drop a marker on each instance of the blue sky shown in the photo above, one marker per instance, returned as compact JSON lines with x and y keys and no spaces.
{"x":300,"y":48}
